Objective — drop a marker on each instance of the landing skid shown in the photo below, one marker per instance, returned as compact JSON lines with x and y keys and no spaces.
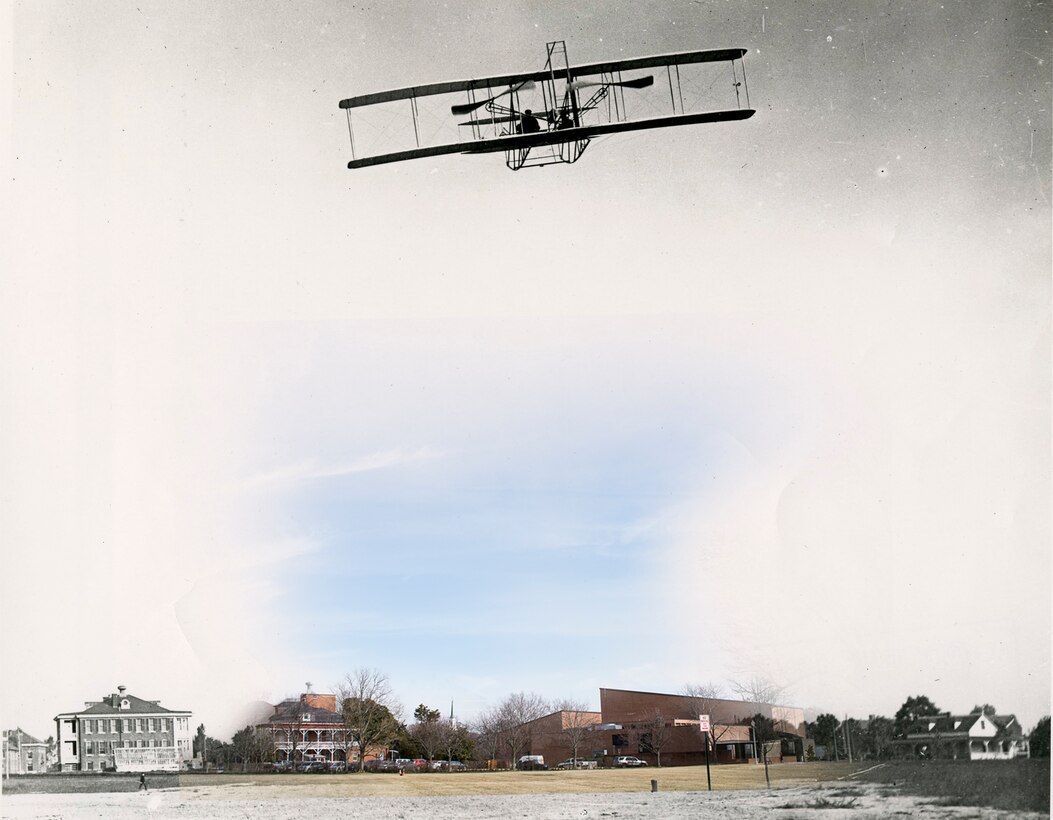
{"x":542,"y":155}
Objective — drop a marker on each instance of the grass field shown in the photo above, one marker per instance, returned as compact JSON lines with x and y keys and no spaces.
{"x":1013,"y":785}
{"x":678,"y":778}
{"x":85,"y":783}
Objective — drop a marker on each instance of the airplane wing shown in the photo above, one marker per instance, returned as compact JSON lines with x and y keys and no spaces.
{"x":520,"y":141}
{"x":588,"y":69}
{"x":420,"y":121}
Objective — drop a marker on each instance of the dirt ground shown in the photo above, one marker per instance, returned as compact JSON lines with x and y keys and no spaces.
{"x":796,"y":794}
{"x":226,"y":802}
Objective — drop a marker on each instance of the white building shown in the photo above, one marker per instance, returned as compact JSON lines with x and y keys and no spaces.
{"x":981,"y":735}
{"x":124,"y":733}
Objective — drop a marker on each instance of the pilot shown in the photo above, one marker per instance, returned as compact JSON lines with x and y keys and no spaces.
{"x":528,"y":123}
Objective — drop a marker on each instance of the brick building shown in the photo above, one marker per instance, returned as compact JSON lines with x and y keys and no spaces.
{"x":673,"y":720}
{"x":553,"y":736}
{"x":309,"y":728}
{"x":124,"y":733}
{"x":650,"y":725}
{"x":24,"y":754}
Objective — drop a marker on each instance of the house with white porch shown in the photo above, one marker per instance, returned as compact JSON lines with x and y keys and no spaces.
{"x":981,"y":735}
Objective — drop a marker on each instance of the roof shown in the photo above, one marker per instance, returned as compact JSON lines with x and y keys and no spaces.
{"x":290,"y":711}
{"x":24,"y":738}
{"x":111,"y":705}
{"x":947,"y":724}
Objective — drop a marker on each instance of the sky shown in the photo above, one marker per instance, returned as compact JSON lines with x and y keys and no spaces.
{"x":766,"y":398}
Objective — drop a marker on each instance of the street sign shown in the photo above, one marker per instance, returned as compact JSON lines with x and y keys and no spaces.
{"x":703,"y":724}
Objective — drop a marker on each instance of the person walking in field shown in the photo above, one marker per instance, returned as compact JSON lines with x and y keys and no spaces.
{"x":142,"y":783}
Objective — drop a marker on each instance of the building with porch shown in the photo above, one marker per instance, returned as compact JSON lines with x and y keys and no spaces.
{"x":309,"y":729}
{"x":981,"y":735}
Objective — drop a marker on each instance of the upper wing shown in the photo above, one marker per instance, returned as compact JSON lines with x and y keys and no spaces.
{"x":680,"y":58}
{"x":497,"y":81}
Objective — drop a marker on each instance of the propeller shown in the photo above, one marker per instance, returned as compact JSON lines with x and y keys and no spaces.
{"x":639,"y":82}
{"x":468,"y":108}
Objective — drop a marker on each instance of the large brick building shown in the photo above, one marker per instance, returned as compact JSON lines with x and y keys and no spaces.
{"x":124,"y":733}
{"x":650,"y":725}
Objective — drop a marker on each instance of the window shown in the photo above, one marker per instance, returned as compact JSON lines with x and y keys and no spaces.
{"x":127,"y":724}
{"x":91,"y":766}
{"x":138,"y":724}
{"x":89,"y":747}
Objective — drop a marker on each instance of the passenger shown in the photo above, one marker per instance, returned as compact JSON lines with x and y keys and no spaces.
{"x":528,"y":123}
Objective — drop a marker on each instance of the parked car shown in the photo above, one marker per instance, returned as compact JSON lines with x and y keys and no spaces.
{"x":381,"y":766}
{"x":531,"y":763}
{"x":447,"y":766}
{"x":338,"y":766}
{"x":626,"y":761}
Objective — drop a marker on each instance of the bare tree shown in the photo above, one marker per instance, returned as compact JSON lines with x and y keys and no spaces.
{"x":577,"y":723}
{"x":703,"y":699}
{"x":758,"y":689}
{"x":369,"y":709}
{"x":657,"y":732}
{"x":517,"y":712}
{"x":488,"y":727}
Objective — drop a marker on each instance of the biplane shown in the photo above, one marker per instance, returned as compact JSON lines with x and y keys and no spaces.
{"x":539,"y":118}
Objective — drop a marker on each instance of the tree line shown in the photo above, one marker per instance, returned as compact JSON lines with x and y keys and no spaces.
{"x":371,"y":718}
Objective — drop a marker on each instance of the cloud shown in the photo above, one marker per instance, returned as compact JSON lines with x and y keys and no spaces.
{"x":312,"y":470}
